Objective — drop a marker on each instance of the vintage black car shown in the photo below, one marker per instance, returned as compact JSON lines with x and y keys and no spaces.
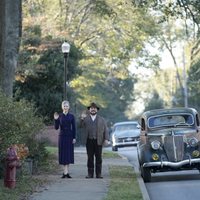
{"x":169,"y":140}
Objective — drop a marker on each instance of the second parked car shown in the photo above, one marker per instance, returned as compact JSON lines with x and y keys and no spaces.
{"x":125,"y":134}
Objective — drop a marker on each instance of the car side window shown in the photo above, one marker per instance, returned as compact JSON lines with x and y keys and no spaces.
{"x":189,"y":119}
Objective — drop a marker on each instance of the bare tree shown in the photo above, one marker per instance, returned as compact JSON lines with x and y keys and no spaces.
{"x":10,"y":33}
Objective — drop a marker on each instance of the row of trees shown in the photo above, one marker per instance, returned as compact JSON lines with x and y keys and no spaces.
{"x":109,"y":36}
{"x":106,"y":37}
{"x":179,"y":34}
{"x":103,"y":46}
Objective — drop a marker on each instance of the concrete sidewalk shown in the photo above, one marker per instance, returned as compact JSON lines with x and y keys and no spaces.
{"x":79,"y":187}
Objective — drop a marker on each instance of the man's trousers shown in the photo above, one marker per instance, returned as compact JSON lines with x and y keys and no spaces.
{"x":94,"y":150}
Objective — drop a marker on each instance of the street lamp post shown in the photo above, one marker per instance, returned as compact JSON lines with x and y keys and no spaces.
{"x":65,"y":50}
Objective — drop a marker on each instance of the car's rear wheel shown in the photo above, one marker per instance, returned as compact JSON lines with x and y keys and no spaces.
{"x":146,"y":174}
{"x":114,"y":148}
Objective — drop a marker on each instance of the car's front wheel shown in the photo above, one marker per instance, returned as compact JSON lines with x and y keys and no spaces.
{"x":146,"y":174}
{"x":114,"y":148}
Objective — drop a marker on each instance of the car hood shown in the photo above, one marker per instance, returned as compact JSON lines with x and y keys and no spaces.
{"x":127,"y":133}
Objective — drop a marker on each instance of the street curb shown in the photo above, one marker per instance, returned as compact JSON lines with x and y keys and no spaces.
{"x":143,"y":189}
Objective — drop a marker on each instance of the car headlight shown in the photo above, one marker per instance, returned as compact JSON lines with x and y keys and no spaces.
{"x":193,"y":142}
{"x":155,"y":145}
{"x":114,"y":139}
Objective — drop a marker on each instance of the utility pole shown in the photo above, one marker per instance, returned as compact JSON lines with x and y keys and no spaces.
{"x":185,"y":80}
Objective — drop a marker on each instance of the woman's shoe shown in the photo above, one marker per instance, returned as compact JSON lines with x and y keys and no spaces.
{"x":63,"y":176}
{"x":66,"y":176}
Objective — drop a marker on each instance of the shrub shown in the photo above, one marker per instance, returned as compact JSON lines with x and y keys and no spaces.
{"x":19,"y":125}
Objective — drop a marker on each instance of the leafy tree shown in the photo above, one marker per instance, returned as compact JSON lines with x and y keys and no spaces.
{"x":155,"y":102}
{"x":194,"y":85}
{"x":108,"y":44}
{"x":154,"y":90}
{"x":177,"y":8}
{"x":179,"y":25}
{"x":40,"y":78}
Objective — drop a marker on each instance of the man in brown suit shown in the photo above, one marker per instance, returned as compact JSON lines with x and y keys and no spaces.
{"x":96,"y":134}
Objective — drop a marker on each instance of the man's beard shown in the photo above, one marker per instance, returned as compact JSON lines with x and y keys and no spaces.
{"x":93,"y":113}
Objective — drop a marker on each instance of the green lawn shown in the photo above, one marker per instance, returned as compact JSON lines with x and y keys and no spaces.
{"x":123,"y":185}
{"x":52,"y":150}
{"x":110,"y":154}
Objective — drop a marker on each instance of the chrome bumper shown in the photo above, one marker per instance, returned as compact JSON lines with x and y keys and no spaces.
{"x":172,"y":164}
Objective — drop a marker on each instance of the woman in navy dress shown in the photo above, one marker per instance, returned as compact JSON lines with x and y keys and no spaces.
{"x":66,"y":123}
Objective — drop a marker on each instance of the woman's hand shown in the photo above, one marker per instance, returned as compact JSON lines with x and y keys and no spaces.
{"x":74,"y":141}
{"x":56,"y":115}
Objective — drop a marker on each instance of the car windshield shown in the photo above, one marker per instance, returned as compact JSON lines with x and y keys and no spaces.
{"x":124,"y":127}
{"x":171,"y":120}
{"x":128,"y":133}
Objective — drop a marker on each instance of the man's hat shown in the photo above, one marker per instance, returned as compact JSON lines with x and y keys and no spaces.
{"x":94,"y":105}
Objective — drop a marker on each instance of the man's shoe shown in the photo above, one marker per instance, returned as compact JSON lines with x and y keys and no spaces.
{"x":99,"y":176}
{"x":89,"y":176}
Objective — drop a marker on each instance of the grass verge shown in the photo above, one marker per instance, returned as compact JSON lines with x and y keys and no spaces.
{"x":110,"y":154}
{"x":123,"y":185}
{"x":25,"y":186}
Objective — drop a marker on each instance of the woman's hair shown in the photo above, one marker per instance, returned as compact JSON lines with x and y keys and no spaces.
{"x":65,"y":102}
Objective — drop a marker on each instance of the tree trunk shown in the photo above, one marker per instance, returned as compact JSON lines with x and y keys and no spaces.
{"x":10,"y":32}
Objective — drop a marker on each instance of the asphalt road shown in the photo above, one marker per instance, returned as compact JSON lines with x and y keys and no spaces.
{"x":182,"y":185}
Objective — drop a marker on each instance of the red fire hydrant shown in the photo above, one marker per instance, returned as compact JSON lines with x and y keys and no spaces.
{"x":12,"y":162}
